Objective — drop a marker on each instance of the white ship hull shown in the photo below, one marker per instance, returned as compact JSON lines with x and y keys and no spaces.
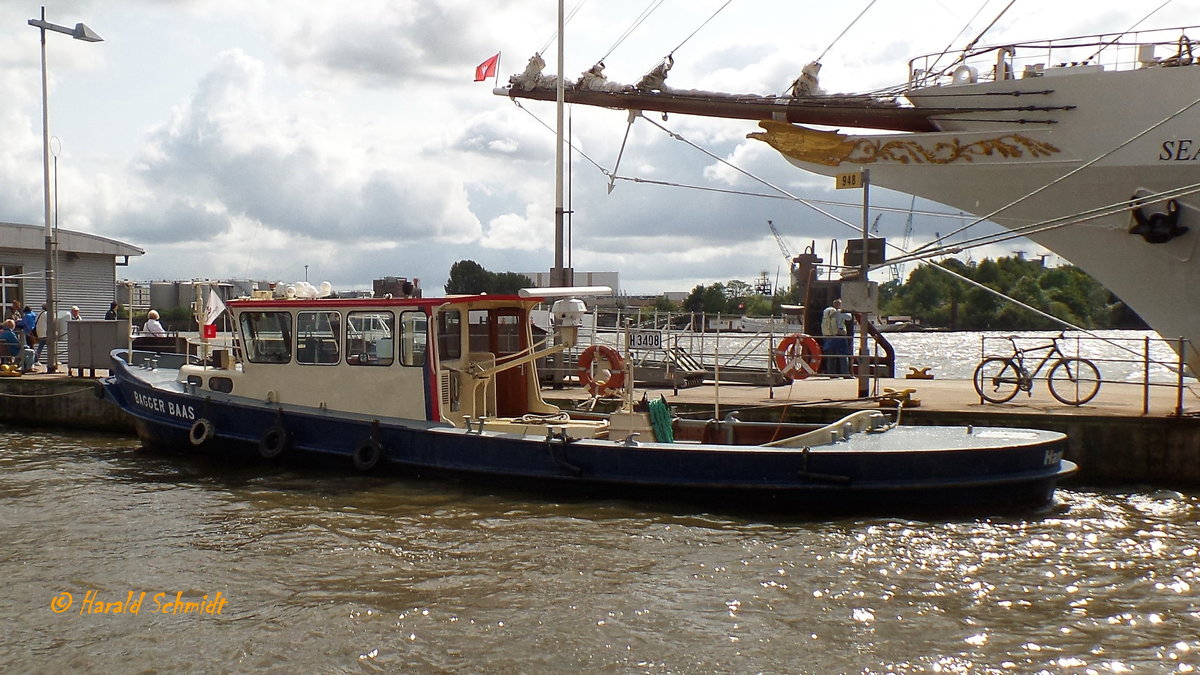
{"x":1141,"y":128}
{"x":1044,"y":131}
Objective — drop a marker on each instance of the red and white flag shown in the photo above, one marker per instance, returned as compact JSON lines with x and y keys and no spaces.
{"x":487,"y":69}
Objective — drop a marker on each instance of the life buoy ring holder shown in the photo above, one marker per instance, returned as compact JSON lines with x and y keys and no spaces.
{"x":797,"y":356}
{"x":202,"y":430}
{"x":367,"y":454}
{"x":273,"y":442}
{"x":616,"y":370}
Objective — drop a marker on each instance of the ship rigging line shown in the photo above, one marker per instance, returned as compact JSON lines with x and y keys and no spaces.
{"x":566,"y":21}
{"x":1067,"y":175}
{"x":961,"y":32}
{"x":845,"y":30}
{"x":747,"y":174}
{"x":1125,"y":32}
{"x":701,"y":26}
{"x":1010,"y":233}
{"x":650,"y":9}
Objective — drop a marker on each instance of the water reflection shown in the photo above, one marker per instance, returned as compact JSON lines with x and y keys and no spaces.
{"x":334,"y":571}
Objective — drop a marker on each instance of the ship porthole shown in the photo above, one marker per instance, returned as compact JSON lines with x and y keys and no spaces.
{"x":201,"y":431}
{"x":367,"y":455}
{"x":273,"y":442}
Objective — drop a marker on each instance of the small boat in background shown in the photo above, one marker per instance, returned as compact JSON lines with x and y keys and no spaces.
{"x":449,"y":386}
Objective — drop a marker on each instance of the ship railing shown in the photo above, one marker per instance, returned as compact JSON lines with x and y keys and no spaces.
{"x":699,"y":347}
{"x":221,"y":352}
{"x":1156,"y":366}
{"x":1164,"y":47}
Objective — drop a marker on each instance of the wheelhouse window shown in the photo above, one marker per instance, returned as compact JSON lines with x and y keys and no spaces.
{"x":267,"y":336}
{"x":413,"y":331}
{"x":449,"y":334}
{"x":317,"y":337}
{"x":370,"y":338}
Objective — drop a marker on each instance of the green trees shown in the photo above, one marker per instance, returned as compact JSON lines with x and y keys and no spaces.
{"x":734,"y":297}
{"x":468,"y":277}
{"x":941,"y":300}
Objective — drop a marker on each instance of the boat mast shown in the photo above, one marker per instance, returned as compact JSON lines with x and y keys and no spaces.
{"x":559,"y":275}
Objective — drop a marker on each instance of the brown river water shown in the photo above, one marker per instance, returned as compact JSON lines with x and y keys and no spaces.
{"x":299,"y":569}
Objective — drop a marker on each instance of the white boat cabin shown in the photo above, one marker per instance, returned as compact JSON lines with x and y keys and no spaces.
{"x":451,"y":360}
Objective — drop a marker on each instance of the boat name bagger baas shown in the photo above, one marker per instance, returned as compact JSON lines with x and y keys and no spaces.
{"x":450,"y":386}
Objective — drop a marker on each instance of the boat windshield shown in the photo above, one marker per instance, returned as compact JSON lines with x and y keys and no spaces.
{"x":267,"y":336}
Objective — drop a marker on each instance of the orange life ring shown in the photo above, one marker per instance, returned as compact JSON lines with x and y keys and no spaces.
{"x":798,"y":356}
{"x":616,"y":370}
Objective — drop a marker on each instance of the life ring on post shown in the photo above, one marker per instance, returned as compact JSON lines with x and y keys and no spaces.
{"x":201,"y":431}
{"x":616,"y":370}
{"x":798,"y":356}
{"x":367,"y":455}
{"x":273,"y":442}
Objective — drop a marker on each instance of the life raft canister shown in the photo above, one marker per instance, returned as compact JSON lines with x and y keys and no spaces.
{"x":616,"y":370}
{"x":798,"y":356}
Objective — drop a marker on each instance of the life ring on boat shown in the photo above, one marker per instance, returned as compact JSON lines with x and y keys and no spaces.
{"x":201,"y":431}
{"x":367,"y":455}
{"x":616,"y":370}
{"x":273,"y":442}
{"x":798,"y":356}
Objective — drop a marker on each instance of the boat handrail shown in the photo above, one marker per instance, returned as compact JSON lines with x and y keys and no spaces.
{"x":1035,"y":58}
{"x":856,"y":422}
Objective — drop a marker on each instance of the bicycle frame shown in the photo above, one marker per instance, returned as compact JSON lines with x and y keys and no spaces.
{"x":1018,"y":355}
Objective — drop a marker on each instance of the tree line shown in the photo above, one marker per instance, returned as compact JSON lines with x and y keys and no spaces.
{"x":940,"y":300}
{"x":930,"y":295}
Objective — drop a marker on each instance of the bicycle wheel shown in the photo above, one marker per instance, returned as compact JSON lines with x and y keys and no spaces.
{"x":1074,"y":381}
{"x":997,"y":379}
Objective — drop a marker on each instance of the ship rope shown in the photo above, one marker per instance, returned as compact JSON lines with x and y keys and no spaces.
{"x":1066,"y":176}
{"x":654,"y":5}
{"x":845,"y":30}
{"x":1046,"y":225}
{"x":1129,"y":30}
{"x":566,"y":20}
{"x":961,"y":32}
{"x":701,"y":26}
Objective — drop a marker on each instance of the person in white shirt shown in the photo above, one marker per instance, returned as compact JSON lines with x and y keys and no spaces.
{"x":153,"y":327}
{"x":836,"y":346}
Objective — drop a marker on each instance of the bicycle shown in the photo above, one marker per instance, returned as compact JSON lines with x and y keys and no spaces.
{"x":1072,"y":380}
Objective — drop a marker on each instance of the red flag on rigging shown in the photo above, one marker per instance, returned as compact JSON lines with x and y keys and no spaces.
{"x":487,"y":69}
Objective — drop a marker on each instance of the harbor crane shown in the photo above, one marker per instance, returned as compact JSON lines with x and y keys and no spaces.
{"x":779,"y":240}
{"x":898,"y":270}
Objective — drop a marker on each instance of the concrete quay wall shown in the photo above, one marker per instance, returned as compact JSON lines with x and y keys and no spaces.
{"x":59,"y":402}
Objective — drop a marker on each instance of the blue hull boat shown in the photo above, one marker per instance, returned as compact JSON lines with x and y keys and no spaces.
{"x":449,"y":386}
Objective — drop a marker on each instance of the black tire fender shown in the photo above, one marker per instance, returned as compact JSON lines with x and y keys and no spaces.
{"x":273,"y":442}
{"x":202,"y":430}
{"x":367,"y":454}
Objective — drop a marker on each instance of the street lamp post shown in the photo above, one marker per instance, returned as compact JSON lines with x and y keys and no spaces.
{"x":79,"y":32}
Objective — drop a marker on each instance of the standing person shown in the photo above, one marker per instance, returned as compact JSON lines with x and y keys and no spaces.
{"x":111,"y":314}
{"x":75,"y":316}
{"x":153,"y":327}
{"x":836,"y":345}
{"x":31,"y":335}
{"x":43,"y":333}
{"x":18,"y":318}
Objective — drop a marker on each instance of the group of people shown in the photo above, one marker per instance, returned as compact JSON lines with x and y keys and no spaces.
{"x":23,"y":335}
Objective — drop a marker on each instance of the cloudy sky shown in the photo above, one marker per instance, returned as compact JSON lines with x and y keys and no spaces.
{"x":252,"y":138}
